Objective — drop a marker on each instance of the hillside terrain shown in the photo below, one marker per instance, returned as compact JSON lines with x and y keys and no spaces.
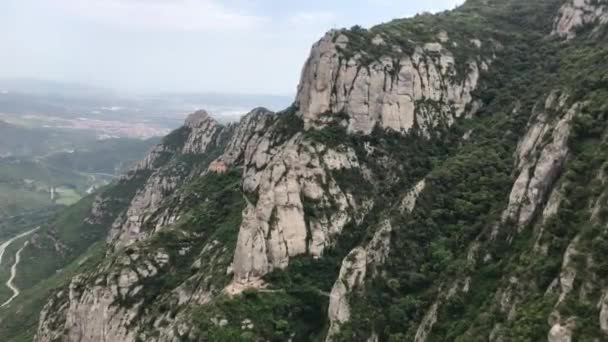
{"x":33,"y":181}
{"x":437,"y":178}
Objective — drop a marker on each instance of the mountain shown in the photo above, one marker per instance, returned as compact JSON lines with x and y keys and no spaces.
{"x":57,"y":104}
{"x":438,"y":178}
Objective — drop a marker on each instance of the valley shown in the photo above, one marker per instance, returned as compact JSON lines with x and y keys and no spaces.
{"x":3,"y":247}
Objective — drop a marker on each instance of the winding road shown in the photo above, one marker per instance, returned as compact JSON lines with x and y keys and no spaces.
{"x":3,"y":248}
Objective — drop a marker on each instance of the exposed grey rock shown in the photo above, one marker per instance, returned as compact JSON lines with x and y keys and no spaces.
{"x":144,"y":205}
{"x":540,"y":157}
{"x":94,"y":308}
{"x":203,"y":131}
{"x":360,"y":263}
{"x":430,"y":318}
{"x":409,"y":201}
{"x":248,"y":133}
{"x":352,"y":274}
{"x":275,"y":228}
{"x":426,"y":326}
{"x":389,"y":93}
{"x":152,"y":159}
{"x":97,"y":210}
{"x":476,"y":42}
{"x":551,"y":209}
{"x":577,"y":13}
{"x":202,"y":134}
{"x":561,"y":333}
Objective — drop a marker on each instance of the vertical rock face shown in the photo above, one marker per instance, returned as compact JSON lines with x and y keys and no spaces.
{"x":360,"y":263}
{"x":392,"y":92}
{"x":540,"y":156}
{"x":275,"y":228}
{"x":249,"y":132}
{"x":575,"y":14}
{"x":352,"y":274}
{"x":409,"y":201}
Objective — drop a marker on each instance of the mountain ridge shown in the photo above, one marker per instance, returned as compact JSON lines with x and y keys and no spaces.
{"x":437,"y":178}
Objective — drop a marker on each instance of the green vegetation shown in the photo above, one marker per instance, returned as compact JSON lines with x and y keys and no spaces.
{"x":455,"y":236}
{"x":111,"y":156}
{"x":212,"y":208}
{"x":20,"y":319}
{"x":26,"y":183}
{"x":56,"y":253}
{"x":20,"y":141}
{"x":268,"y":316}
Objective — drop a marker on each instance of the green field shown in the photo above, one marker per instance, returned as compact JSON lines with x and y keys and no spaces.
{"x":15,"y":199}
{"x":67,"y":196}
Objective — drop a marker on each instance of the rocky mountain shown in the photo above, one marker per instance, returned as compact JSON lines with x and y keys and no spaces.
{"x":438,"y":178}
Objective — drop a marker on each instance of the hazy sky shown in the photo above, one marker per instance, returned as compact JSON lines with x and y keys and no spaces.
{"x":249,"y":46}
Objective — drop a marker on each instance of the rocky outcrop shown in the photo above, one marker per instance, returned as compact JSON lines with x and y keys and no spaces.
{"x":562,"y":327}
{"x":409,"y":201}
{"x":360,"y":263}
{"x":284,"y":179}
{"x":561,"y":333}
{"x":203,"y":131}
{"x":153,"y":159}
{"x":144,"y":205}
{"x":422,"y":89}
{"x":104,"y":305}
{"x":445,"y":294}
{"x":95,"y":309}
{"x":352,"y":274}
{"x":247,"y":136}
{"x":540,"y":157}
{"x":575,"y":14}
{"x":199,"y":134}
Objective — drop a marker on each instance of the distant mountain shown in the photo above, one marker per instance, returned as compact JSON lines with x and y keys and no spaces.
{"x":17,"y":140}
{"x":63,"y":100}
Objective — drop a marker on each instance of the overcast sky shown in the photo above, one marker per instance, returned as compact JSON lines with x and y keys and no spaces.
{"x":246,"y":46}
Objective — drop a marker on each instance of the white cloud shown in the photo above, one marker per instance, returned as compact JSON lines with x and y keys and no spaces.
{"x":194,"y":15}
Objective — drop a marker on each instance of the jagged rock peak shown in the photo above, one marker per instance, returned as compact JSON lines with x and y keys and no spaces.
{"x":197,"y":118}
{"x":575,"y":14}
{"x":204,"y":131}
{"x":259,"y":111}
{"x":246,"y":136}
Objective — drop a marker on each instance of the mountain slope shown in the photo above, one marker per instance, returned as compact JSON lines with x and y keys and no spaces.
{"x":437,"y":178}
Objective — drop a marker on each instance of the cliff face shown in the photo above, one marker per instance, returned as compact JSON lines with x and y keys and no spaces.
{"x":575,"y":14}
{"x":437,"y":178}
{"x":198,"y":136}
{"x":393,"y":92}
